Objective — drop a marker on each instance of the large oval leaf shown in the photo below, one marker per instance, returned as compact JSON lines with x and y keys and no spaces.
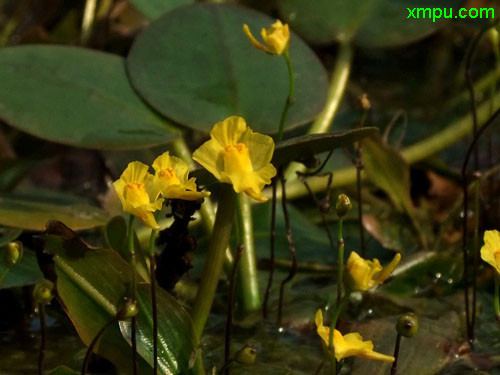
{"x":371,"y":23}
{"x":196,"y":66}
{"x":32,"y":211}
{"x":153,"y":9}
{"x":77,"y":97}
{"x":91,"y":283}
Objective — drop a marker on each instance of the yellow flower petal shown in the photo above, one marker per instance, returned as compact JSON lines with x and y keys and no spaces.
{"x":276,"y":38}
{"x":138,"y":194}
{"x":351,"y":344}
{"x":387,"y":271}
{"x":362,"y":274}
{"x":254,"y":41}
{"x":171,"y":178}
{"x":490,"y":252}
{"x":237,"y":155}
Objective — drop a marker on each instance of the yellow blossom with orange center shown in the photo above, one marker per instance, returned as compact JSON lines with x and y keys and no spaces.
{"x":239,"y":156}
{"x":138,"y":194}
{"x":172,"y":179}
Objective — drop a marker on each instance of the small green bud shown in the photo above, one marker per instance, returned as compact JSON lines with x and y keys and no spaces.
{"x":343,"y":206}
{"x":246,"y":355}
{"x":407,"y":325}
{"x":128,"y":309}
{"x":13,"y":253}
{"x":42,"y":294}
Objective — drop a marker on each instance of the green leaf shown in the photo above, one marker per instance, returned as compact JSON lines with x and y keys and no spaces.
{"x":196,"y":66}
{"x":174,"y":326}
{"x":91,"y":283}
{"x":76,"y":96}
{"x":389,"y":171}
{"x":153,"y":9}
{"x":309,"y":145}
{"x":23,"y":273}
{"x":8,"y":235}
{"x":32,"y":211}
{"x":371,"y":23}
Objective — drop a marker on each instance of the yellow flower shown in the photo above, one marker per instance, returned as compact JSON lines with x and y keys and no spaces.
{"x":171,"y":179}
{"x":138,"y":193}
{"x":236,"y":155}
{"x":490,"y":252}
{"x":276,"y":38}
{"x":348,"y":345}
{"x":364,"y":274}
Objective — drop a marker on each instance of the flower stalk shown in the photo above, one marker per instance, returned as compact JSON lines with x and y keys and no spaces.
{"x":215,"y":258}
{"x":291,"y":92}
{"x":248,"y":283}
{"x":496,"y":302}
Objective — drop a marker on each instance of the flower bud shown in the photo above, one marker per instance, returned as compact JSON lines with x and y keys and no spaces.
{"x":364,"y":102}
{"x":127,"y":310}
{"x":407,"y":325}
{"x":343,"y":206}
{"x":42,"y":294}
{"x":246,"y":355}
{"x":13,"y":253}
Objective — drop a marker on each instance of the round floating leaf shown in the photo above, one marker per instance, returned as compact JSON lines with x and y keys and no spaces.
{"x":32,"y":211}
{"x":77,"y":97}
{"x":153,"y":9}
{"x":371,"y":23}
{"x":196,"y":66}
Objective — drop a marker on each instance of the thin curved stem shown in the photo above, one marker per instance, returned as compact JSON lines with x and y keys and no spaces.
{"x":340,"y":263}
{"x":43,"y":338}
{"x":290,"y":98}
{"x":272,"y":238}
{"x":88,"y":21}
{"x":230,"y":306}
{"x":394,"y":367}
{"x":90,"y":349}
{"x":152,"y":271}
{"x":291,"y":248}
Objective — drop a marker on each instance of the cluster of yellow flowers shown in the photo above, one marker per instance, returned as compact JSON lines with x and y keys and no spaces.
{"x":234,"y":154}
{"x":361,"y":275}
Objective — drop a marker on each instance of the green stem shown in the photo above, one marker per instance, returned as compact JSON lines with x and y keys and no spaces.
{"x":88,"y":21}
{"x":477,"y":185}
{"x":338,"y":84}
{"x":291,"y":92}
{"x":340,"y":263}
{"x":3,"y":275}
{"x":333,"y":326}
{"x":248,"y":283}
{"x":412,"y":154}
{"x":496,"y":302}
{"x":215,"y":259}
{"x":133,"y":262}
{"x":207,"y":210}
